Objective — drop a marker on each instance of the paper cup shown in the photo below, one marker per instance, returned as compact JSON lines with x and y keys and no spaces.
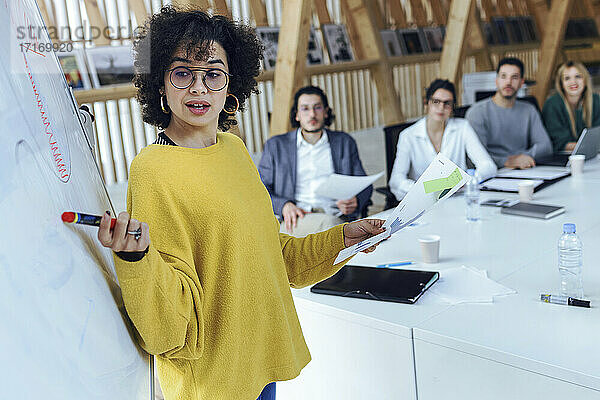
{"x":577,"y":161}
{"x":430,"y":248}
{"x":526,"y":191}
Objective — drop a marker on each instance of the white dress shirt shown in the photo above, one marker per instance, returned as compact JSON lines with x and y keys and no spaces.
{"x":415,"y":152}
{"x":314,"y":164}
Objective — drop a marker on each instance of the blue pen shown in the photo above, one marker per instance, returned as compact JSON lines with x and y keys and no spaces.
{"x":398,"y":264}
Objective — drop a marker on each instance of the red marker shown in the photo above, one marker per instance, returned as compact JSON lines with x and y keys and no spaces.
{"x":94,"y":220}
{"x":85,"y":219}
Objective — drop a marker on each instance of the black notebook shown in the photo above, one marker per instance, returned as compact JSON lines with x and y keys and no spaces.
{"x":398,"y":285}
{"x":543,"y":211}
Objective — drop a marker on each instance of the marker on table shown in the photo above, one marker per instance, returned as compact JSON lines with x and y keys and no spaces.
{"x":564,"y":300}
{"x":93,"y":220}
{"x":398,"y":264}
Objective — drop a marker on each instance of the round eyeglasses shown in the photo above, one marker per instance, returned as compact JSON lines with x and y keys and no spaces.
{"x":214,"y":79}
{"x":449,"y":104}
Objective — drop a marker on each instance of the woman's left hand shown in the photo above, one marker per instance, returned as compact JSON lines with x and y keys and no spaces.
{"x":360,"y":230}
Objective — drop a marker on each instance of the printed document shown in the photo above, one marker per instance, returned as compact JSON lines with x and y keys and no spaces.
{"x":441,"y":179}
{"x":343,"y":187}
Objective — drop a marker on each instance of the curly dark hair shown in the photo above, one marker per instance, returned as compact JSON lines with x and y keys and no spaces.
{"x":329,"y":118}
{"x":194,"y":32}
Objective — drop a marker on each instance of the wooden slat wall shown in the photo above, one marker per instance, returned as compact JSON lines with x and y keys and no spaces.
{"x":121,"y":134}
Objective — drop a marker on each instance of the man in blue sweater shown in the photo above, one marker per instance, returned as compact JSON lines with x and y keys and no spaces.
{"x":293,"y":166}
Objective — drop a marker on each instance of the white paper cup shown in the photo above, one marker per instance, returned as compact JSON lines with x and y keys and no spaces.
{"x":577,"y":161}
{"x":430,"y":248}
{"x":526,"y":191}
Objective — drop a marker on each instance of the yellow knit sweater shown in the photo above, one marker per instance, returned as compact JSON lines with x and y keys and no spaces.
{"x":211,"y":299}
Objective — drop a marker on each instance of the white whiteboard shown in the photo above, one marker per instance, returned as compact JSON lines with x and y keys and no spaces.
{"x":62,"y":331}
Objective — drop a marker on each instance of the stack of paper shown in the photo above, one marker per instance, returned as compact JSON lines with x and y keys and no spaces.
{"x":466,"y":285}
{"x":507,"y":184}
{"x":543,"y":172}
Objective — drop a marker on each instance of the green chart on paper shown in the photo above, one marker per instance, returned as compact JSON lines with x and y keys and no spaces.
{"x":435,"y":185}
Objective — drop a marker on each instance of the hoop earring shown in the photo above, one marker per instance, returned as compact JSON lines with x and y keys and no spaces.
{"x":237,"y":105}
{"x":163,"y":106}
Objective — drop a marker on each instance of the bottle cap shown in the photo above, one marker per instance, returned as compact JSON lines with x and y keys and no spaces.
{"x":579,"y":303}
{"x":568,"y":228}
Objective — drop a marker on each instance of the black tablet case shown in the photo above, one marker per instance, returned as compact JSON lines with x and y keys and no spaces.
{"x":385,"y":284}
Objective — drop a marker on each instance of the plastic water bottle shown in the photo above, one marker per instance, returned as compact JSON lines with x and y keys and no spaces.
{"x":472,"y":196}
{"x":570,"y":261}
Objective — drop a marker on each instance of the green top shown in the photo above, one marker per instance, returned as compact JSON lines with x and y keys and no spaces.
{"x":558,"y":124}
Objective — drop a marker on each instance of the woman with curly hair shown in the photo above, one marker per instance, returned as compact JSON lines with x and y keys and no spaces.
{"x":207,"y":282}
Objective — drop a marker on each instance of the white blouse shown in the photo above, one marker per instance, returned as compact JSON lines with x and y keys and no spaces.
{"x":415,"y":152}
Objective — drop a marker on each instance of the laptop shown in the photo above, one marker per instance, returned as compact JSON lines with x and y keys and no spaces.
{"x":587,"y":145}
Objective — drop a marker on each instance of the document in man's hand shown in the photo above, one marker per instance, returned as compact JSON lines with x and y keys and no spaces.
{"x":441,"y":179}
{"x":343,"y":187}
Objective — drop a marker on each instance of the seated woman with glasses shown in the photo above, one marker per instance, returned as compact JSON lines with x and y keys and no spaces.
{"x":437,"y":132}
{"x":204,"y":272}
{"x":572,"y":108}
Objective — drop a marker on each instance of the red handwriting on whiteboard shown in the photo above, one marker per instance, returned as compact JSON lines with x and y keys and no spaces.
{"x":53,"y":144}
{"x":30,"y":47}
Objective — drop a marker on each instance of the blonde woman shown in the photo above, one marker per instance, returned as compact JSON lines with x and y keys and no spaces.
{"x":572,"y":108}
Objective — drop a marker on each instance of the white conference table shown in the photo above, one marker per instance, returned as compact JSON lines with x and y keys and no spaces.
{"x":516,"y":347}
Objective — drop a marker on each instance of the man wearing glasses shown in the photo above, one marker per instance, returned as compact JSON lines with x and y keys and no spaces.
{"x":293,"y":166}
{"x":511,"y":130}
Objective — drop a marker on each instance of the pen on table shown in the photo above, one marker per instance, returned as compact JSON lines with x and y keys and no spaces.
{"x":398,"y":264}
{"x":564,"y":300}
{"x":93,"y":220}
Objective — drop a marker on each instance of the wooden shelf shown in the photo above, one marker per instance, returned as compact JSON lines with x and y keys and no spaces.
{"x":588,"y":55}
{"x":127,"y":90}
{"x":414,"y":58}
{"x":326,"y":69}
{"x":581,"y":43}
{"x":340,"y":67}
{"x":112,"y":92}
{"x":590,"y":52}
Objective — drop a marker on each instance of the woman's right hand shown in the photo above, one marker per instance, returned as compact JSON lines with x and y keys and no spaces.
{"x":118,"y":239}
